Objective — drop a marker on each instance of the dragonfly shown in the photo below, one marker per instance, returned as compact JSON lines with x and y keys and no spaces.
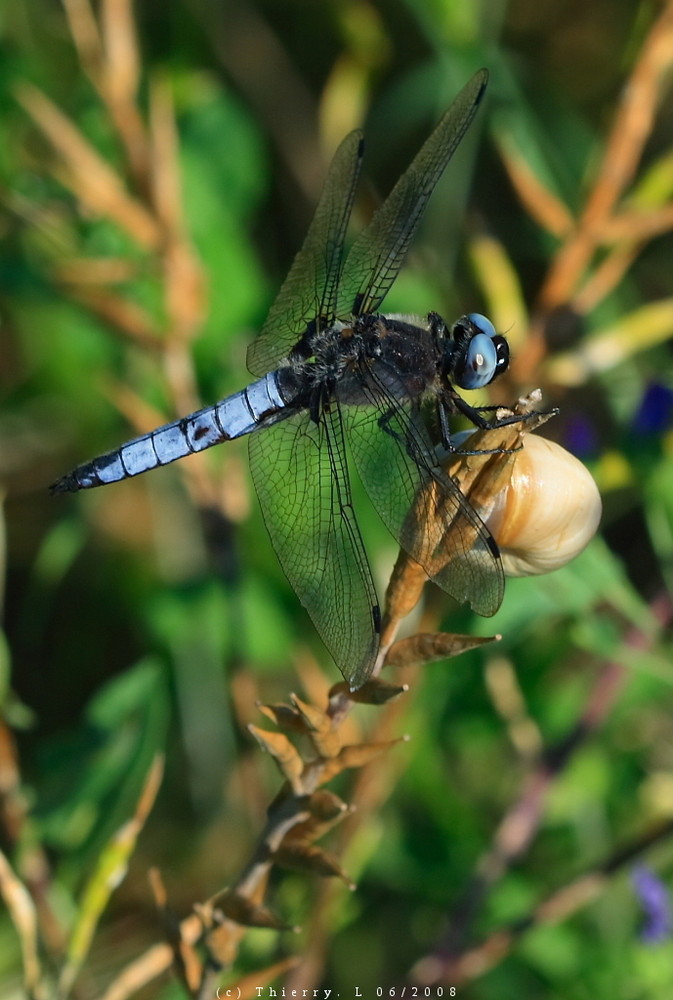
{"x":339,"y":381}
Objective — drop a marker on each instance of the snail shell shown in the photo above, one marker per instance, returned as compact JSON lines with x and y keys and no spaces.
{"x":549,"y":511}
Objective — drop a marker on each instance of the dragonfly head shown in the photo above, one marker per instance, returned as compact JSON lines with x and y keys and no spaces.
{"x":476,"y":354}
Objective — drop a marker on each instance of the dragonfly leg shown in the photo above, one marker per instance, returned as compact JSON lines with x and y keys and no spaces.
{"x":444,"y":429}
{"x":475,"y":414}
{"x":513,"y":418}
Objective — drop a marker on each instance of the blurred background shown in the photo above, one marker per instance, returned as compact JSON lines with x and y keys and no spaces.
{"x":158,"y":169}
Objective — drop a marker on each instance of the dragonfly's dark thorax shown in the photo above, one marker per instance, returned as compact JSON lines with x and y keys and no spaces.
{"x":350,"y":363}
{"x":399,"y":353}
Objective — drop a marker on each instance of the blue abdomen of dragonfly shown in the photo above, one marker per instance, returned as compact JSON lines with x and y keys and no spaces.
{"x":230,"y":418}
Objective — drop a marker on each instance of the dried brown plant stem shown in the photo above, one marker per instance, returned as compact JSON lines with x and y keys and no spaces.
{"x":545,"y":207}
{"x":293,"y":821}
{"x":630,"y":130}
{"x":22,"y":912}
{"x":84,"y":171}
{"x":479,"y":476}
{"x":570,"y":279}
{"x":154,"y":962}
{"x":110,"y":56}
{"x":151,"y":216}
{"x":184,"y":282}
{"x":301,"y":813}
{"x":34,"y":872}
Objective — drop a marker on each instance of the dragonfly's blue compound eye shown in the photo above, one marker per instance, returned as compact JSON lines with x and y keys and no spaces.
{"x":482,"y":323}
{"x":481,"y":362}
{"x":486,"y":353}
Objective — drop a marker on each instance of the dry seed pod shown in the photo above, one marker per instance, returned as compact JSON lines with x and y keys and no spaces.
{"x":549,"y":511}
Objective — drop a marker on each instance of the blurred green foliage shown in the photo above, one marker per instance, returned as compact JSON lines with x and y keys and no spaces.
{"x":136,"y":624}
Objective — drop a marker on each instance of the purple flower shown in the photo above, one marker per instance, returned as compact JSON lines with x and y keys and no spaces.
{"x":656,"y":905}
{"x":655,"y":411}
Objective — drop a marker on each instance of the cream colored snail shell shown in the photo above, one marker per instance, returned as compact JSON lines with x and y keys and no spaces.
{"x":549,"y":512}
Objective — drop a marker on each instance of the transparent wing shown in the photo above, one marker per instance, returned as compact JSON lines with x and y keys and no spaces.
{"x":310,"y":289}
{"x":421,"y":505}
{"x":379,"y":251}
{"x":299,"y":470}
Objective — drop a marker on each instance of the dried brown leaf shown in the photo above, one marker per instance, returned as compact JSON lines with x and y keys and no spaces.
{"x":220,"y":936}
{"x":372,"y":692}
{"x":87,"y":174}
{"x":222,"y":943}
{"x":322,"y":732}
{"x":236,"y":907}
{"x":309,"y":858}
{"x":284,"y":753}
{"x":139,"y":413}
{"x":355,"y":756}
{"x":118,"y":87}
{"x":284,"y":716}
{"x":95,"y":271}
{"x":184,"y":284}
{"x":403,"y":593}
{"x":605,"y":277}
{"x":122,"y":55}
{"x":24,"y":918}
{"x":186,"y":960}
{"x":480,"y":477}
{"x":165,"y":170}
{"x":325,"y":806}
{"x":153,"y":962}
{"x":123,"y":316}
{"x":427,"y":647}
{"x":484,"y":474}
{"x":507,"y":696}
{"x":631,"y":128}
{"x":248,"y":986}
{"x":633,"y":121}
{"x":325,"y":811}
{"x":315,"y":718}
{"x":84,"y":30}
{"x":545,"y":207}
